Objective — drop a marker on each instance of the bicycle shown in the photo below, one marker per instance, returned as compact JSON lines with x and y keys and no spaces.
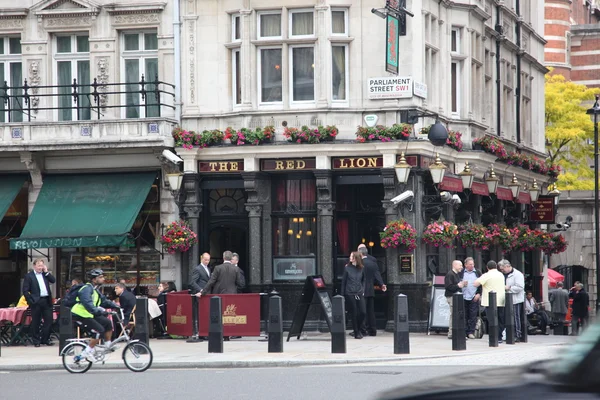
{"x":141,"y":352}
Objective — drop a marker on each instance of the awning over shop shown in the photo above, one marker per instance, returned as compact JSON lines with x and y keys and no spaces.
{"x":10,"y":185}
{"x":95,"y":210}
{"x":504,"y":194}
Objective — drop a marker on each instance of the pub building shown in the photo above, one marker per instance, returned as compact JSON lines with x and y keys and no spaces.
{"x":292,"y":211}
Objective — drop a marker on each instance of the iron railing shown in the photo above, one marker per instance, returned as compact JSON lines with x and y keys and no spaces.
{"x":84,"y":99}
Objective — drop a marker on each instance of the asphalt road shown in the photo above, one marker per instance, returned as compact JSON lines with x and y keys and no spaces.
{"x":300,"y":383}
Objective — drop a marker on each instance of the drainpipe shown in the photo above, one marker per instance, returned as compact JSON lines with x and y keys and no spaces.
{"x":498,"y":80}
{"x":518,"y":89}
{"x":177,"y":60}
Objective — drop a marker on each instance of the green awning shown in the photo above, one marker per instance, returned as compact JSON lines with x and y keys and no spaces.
{"x":10,"y":185}
{"x":95,"y":210}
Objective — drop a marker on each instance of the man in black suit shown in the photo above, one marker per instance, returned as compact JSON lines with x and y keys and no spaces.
{"x":372,"y":277}
{"x":200,"y":275}
{"x":225,"y":279}
{"x":36,"y":289}
{"x":370,"y":257}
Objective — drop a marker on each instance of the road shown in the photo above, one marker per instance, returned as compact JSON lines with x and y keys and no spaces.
{"x":301,"y":383}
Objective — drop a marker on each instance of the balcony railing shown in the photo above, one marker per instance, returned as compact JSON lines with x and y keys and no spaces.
{"x":77,"y":102}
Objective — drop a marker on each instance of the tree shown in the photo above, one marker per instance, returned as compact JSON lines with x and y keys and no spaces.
{"x":569,"y":132}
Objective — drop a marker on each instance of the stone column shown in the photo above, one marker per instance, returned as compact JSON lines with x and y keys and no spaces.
{"x":325,"y":209}
{"x":254,"y":190}
{"x":246,"y":58}
{"x":323,"y":53}
{"x":192,"y":207}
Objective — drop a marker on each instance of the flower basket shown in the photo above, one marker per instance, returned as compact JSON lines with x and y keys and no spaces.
{"x":397,"y":234}
{"x":309,"y":135}
{"x":248,"y":136}
{"x":476,"y":236}
{"x":557,"y":245}
{"x":178,"y":237}
{"x":525,"y":238}
{"x":454,"y":140}
{"x":502,"y":236}
{"x":491,"y":145}
{"x":440,"y":234}
{"x":380,"y":132}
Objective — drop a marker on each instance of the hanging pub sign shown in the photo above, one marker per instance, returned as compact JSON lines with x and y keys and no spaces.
{"x":543,"y":210}
{"x":357,"y":162}
{"x":391,"y":46}
{"x":292,"y":164}
{"x":220,"y":166}
{"x":397,"y":8}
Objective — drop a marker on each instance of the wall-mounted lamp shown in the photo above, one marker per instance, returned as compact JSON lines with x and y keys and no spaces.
{"x":515,"y":186}
{"x":492,"y":181}
{"x":467,"y":177}
{"x":554,"y":192}
{"x":437,"y":169}
{"x":402,"y":169}
{"x":534,"y":191}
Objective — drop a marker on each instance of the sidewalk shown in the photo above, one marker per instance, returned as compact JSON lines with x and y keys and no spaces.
{"x":314,"y":349}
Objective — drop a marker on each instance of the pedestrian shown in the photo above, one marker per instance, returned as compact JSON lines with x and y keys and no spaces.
{"x":581,"y":302}
{"x":534,"y":309}
{"x":235,"y":260}
{"x":453,"y":283}
{"x":493,"y":281}
{"x":372,"y":278}
{"x":37,"y":291}
{"x":559,"y":303}
{"x":471,"y":296}
{"x":353,"y":289}
{"x":515,"y":285}
{"x":225,"y":279}
{"x":200,"y":275}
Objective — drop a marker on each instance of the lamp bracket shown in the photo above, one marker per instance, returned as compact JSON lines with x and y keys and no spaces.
{"x":414,"y":115}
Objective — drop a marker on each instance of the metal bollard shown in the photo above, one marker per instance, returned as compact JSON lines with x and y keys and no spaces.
{"x":492,"y":317}
{"x":459,"y":338}
{"x":215,"y":327}
{"x":509,"y":319}
{"x":141,"y":332}
{"x":401,"y":338}
{"x":524,"y":323}
{"x":65,"y":327}
{"x":275,"y":325}
{"x":338,"y":326}
{"x":195,"y":327}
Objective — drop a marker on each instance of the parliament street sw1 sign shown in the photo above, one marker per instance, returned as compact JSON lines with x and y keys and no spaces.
{"x":391,"y":87}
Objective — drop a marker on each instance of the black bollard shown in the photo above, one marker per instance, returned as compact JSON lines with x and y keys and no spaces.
{"x":215,"y":327}
{"x":142,"y":331}
{"x":65,"y":327}
{"x":275,"y":325}
{"x":401,"y":339}
{"x":492,"y":318}
{"x":509,"y":319}
{"x":524,"y":323}
{"x":195,"y":327}
{"x":338,"y":325}
{"x":459,"y":337}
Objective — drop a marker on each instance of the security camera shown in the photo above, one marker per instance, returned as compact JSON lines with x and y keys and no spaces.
{"x":445,"y":196}
{"x":455,"y":199}
{"x":569,"y":220}
{"x":402,"y":197}
{"x":169,"y":155}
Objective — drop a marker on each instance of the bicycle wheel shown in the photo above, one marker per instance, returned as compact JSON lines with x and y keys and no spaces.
{"x":70,"y":358}
{"x":137,"y":356}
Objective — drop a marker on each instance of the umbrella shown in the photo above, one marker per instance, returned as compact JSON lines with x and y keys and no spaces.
{"x":554,"y":277}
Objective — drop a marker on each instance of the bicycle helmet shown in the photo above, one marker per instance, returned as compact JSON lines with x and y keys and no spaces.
{"x":95,"y":273}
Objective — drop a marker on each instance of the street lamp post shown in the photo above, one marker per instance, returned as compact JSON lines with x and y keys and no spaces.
{"x":594,"y":112}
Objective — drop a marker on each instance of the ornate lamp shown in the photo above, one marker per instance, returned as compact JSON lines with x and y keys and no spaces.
{"x":554,"y":192}
{"x":402,"y":169}
{"x":175,"y":181}
{"x":437,"y":169}
{"x":515,"y":186}
{"x":534,"y":191}
{"x":492,"y":181}
{"x":467,"y":177}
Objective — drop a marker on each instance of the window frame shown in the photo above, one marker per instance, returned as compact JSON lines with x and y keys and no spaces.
{"x":291,"y":25}
{"x":259,"y":23}
{"x":236,"y":102}
{"x":456,"y":39}
{"x":236,"y":21}
{"x":291,"y":76}
{"x":141,"y":55}
{"x":7,"y":59}
{"x":455,"y":113}
{"x":346,"y":101}
{"x":262,"y":103}
{"x":345,"y":11}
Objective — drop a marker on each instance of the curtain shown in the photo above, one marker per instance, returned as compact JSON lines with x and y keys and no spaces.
{"x":132,"y":77}
{"x":343,"y":198}
{"x":280,"y":196}
{"x":338,"y":78}
{"x":152,"y":109}
{"x":338,"y":22}
{"x":302,"y":23}
{"x":271,"y":86}
{"x":16,"y":78}
{"x":303,"y":71}
{"x":83,"y":81}
{"x":132,"y":41}
{"x":64,"y":100}
{"x":270,"y":25}
{"x":2,"y":92}
{"x":293,"y":193}
{"x":63,"y":44}
{"x":150,"y":41}
{"x":343,"y":237}
{"x":308,"y":195}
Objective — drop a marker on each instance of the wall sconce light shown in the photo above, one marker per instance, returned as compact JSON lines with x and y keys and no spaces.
{"x":308,"y":233}
{"x":298,"y":236}
{"x":295,"y":220}
{"x":467,"y":177}
{"x":290,"y":232}
{"x":371,"y":244}
{"x":554,"y":193}
{"x":437,"y":170}
{"x":402,"y":169}
{"x":492,"y":181}
{"x":534,"y":191}
{"x":515,"y":186}
{"x":364,"y":240}
{"x":300,"y":219}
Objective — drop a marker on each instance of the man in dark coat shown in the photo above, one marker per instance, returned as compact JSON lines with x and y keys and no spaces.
{"x":225,"y":279}
{"x":127,"y":301}
{"x":200,"y":275}
{"x":559,"y":303}
{"x":37,"y":291}
{"x":581,"y":302}
{"x":372,"y":278}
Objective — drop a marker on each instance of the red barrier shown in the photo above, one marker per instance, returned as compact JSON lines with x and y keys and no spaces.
{"x":179,"y":313}
{"x":241,"y":314}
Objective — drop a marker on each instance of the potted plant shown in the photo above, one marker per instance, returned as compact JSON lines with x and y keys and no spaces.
{"x":440,"y":234}
{"x":400,"y":131}
{"x":380,"y":132}
{"x":178,"y":237}
{"x":475,"y":236}
{"x":309,"y":135}
{"x":248,"y":136}
{"x":399,"y":233}
{"x":183,"y":138}
{"x":455,"y":140}
{"x":490,"y":145}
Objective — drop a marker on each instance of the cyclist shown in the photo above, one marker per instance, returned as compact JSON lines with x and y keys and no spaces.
{"x":91,"y":313}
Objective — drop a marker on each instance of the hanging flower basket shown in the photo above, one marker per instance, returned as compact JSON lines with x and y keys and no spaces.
{"x":440,"y":234}
{"x":557,"y":245}
{"x":502,"y":236}
{"x":475,"y":236}
{"x":397,"y":234}
{"x":178,"y":237}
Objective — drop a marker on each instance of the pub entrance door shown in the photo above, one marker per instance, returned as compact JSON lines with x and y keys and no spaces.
{"x":359,"y":217}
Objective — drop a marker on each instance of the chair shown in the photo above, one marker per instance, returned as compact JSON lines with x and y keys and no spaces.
{"x":131,"y":323}
{"x":22,"y":333}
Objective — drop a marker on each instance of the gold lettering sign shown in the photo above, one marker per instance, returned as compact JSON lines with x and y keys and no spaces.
{"x":178,"y":319}
{"x":357,"y":162}
{"x":296,"y":164}
{"x":231,"y":318}
{"x":220,"y":166}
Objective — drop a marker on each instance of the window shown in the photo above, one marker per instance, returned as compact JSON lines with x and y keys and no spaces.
{"x":236,"y":28}
{"x":302,"y":69}
{"x":11,"y":72}
{"x":454,"y":81}
{"x":236,"y":79}
{"x":72,"y":57}
{"x":269,"y":25}
{"x":339,"y":77}
{"x":140,"y":58}
{"x":270,"y":76}
{"x":339,"y":25}
{"x":455,"y":40}
{"x":302,"y":23}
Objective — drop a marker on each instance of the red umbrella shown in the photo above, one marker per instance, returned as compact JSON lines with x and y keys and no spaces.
{"x":554,"y":277}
